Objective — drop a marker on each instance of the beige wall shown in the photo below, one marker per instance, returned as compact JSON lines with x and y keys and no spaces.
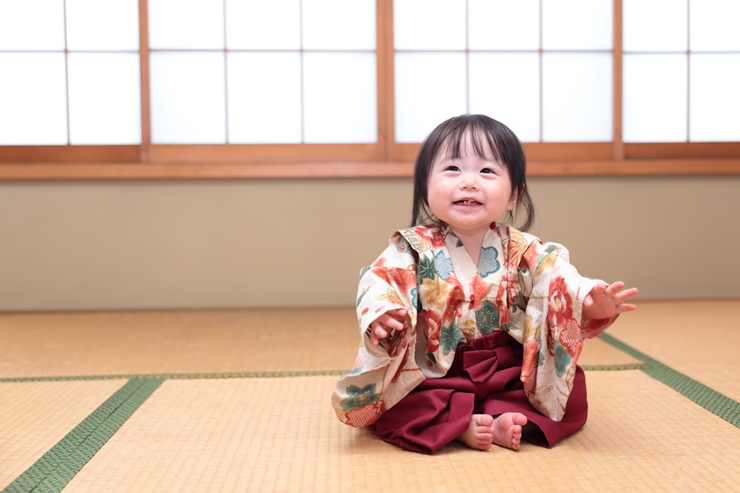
{"x":236,"y":243}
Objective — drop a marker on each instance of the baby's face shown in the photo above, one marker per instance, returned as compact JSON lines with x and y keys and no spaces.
{"x":470,"y":192}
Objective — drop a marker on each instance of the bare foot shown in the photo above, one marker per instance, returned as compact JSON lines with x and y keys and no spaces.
{"x":479,"y":434}
{"x":508,"y":430}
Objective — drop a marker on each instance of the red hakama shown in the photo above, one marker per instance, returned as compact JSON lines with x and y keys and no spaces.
{"x":483,"y":379}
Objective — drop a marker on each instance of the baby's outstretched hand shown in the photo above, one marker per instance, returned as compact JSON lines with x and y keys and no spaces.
{"x":607,"y":300}
{"x":384,"y":324}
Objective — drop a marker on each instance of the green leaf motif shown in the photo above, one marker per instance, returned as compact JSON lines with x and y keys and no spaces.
{"x":359,"y":298}
{"x":426,"y":268}
{"x":450,"y":337}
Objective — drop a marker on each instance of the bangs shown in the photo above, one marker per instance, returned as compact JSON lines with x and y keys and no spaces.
{"x":471,"y":137}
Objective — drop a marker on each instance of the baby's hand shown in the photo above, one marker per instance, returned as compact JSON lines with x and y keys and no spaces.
{"x":384,"y":324}
{"x":606,"y":300}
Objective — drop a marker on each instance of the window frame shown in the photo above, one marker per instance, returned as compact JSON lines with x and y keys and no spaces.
{"x":385,"y":158}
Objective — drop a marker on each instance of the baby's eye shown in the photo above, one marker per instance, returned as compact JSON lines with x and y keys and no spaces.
{"x":487,"y":170}
{"x":452,"y":168}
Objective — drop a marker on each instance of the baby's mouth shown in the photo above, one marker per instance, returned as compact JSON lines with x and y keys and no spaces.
{"x":467,"y":202}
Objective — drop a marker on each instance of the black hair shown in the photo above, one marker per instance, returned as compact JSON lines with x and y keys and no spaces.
{"x":485,"y":135}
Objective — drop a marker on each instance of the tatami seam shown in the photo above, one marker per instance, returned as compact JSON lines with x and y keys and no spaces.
{"x":249,"y":374}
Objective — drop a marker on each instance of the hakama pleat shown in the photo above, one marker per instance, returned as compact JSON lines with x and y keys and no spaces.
{"x":484,"y":379}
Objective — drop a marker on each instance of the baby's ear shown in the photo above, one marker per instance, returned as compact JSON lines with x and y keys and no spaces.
{"x":513,"y":199}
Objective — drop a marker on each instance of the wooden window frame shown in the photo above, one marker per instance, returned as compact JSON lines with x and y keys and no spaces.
{"x":382,"y":159}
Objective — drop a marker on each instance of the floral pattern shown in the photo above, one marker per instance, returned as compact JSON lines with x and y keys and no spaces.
{"x":521,"y":285}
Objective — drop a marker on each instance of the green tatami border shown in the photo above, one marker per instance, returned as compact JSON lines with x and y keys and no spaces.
{"x":178,"y":376}
{"x":247,"y":374}
{"x":708,"y":398}
{"x":56,"y":468}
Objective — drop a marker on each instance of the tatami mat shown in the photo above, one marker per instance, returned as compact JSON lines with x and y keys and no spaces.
{"x":195,"y":342}
{"x":281,"y":435}
{"x":700,"y":339}
{"x":203,"y":341}
{"x":34,"y":416}
{"x":599,"y":354}
{"x":219,"y":431}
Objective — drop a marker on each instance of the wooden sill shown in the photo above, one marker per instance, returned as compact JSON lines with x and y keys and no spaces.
{"x":112,"y":171}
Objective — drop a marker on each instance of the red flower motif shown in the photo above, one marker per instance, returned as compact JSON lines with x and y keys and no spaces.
{"x":436,"y":239}
{"x":380,"y":262}
{"x":434,"y":324}
{"x":382,"y":273}
{"x":560,"y":303}
{"x":405,"y":279}
{"x":478,"y":291}
{"x":530,"y":257}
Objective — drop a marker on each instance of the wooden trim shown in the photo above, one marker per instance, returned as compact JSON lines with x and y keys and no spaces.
{"x":259,"y":154}
{"x":69,"y":154}
{"x":641,"y":167}
{"x":44,"y":171}
{"x":568,"y":151}
{"x":384,"y":74}
{"x":146,"y":122}
{"x":683,"y":150}
{"x":180,"y":170}
{"x":617,"y":83}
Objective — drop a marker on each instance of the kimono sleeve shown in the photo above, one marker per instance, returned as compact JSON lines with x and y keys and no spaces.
{"x":382,"y":375}
{"x":551,"y":295}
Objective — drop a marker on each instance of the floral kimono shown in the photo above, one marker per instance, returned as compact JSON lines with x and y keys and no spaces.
{"x":521,"y":286}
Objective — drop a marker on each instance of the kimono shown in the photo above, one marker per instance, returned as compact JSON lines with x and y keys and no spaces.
{"x":521,"y":286}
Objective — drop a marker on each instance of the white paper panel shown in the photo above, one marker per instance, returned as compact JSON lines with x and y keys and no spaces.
{"x":104,"y":98}
{"x":339,"y":24}
{"x":714,"y":25}
{"x":32,"y":25}
{"x":340,"y":98}
{"x":429,"y":89}
{"x":654,"y":98}
{"x":506,"y":86}
{"x":577,"y":24}
{"x":504,"y":24}
{"x":655,"y":25}
{"x":187,"y":98}
{"x":33,"y":101}
{"x":264,"y":97}
{"x":576,"y":97}
{"x":186,"y":24}
{"x":429,"y":24}
{"x":263,"y":25}
{"x":104,"y":26}
{"x":714,"y":99}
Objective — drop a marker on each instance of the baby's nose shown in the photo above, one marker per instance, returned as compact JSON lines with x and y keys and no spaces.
{"x":469,"y":182}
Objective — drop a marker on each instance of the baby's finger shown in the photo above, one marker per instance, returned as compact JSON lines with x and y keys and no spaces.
{"x":614,"y":288}
{"x":398,"y":314}
{"x":626,"y":308}
{"x":625,"y":295}
{"x":600,"y":288}
{"x":390,"y":322}
{"x":377,"y":333}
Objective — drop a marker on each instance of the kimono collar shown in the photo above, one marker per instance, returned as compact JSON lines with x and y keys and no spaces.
{"x":445,"y":228}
